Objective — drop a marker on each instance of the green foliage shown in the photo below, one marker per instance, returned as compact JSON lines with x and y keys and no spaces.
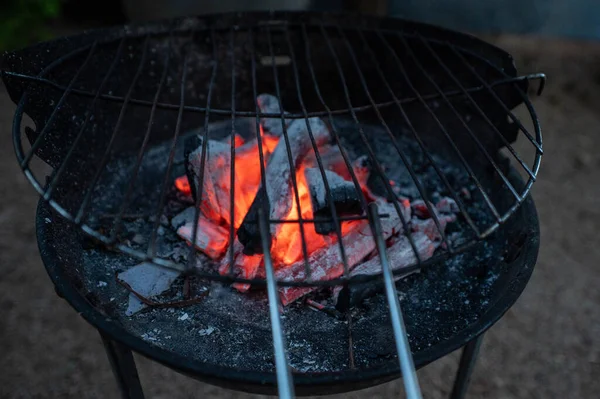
{"x":23,"y":22}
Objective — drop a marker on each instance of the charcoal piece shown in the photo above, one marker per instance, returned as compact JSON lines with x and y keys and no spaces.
{"x":148,"y":280}
{"x":211,"y":239}
{"x":346,"y":199}
{"x":326,"y":263}
{"x":447,"y":205}
{"x":331,"y":158}
{"x":215,"y":203}
{"x":244,"y":266}
{"x":183,"y":217}
{"x":269,"y":104}
{"x":430,"y":229}
{"x":276,"y":197}
{"x":400,"y":255}
{"x":214,"y":198}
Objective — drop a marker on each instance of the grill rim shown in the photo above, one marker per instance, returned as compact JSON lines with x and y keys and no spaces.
{"x":305,"y":383}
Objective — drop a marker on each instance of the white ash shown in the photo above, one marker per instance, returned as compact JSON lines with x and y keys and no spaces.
{"x":206,"y":331}
{"x":269,"y":104}
{"x":147,"y":280}
{"x":183,"y":317}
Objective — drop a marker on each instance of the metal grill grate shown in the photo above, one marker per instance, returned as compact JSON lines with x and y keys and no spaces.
{"x":194,"y":73}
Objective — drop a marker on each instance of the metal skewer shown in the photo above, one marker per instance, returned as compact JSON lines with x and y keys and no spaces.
{"x":285,"y":385}
{"x":407,"y":366}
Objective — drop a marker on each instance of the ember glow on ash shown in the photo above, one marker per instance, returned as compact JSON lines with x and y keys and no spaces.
{"x":183,"y":185}
{"x":286,"y":247}
{"x":217,"y":217}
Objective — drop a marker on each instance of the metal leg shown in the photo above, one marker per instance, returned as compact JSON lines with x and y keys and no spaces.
{"x":123,"y":367}
{"x":465,"y":368}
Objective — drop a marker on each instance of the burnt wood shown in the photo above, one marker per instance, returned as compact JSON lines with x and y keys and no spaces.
{"x":276,"y":197}
{"x":344,"y":195}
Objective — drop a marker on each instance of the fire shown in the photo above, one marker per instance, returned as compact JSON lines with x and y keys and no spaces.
{"x":286,"y":248}
{"x":182,"y":184}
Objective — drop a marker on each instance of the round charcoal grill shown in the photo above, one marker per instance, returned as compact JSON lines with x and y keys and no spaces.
{"x":432,"y":111}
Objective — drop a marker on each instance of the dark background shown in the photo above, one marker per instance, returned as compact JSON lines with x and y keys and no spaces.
{"x":546,"y":346}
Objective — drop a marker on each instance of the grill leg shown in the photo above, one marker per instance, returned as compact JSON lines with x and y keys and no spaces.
{"x":123,"y":367}
{"x":465,"y":368}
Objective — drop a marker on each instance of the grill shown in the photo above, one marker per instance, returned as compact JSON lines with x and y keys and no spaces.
{"x":433,"y":113}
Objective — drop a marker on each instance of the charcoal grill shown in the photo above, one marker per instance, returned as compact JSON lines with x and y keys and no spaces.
{"x":111,"y":110}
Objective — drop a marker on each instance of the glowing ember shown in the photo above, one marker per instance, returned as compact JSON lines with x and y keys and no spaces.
{"x":182,"y":184}
{"x":220,"y":212}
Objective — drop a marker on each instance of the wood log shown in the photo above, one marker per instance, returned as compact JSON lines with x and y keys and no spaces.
{"x":244,"y":266}
{"x":214,"y":200}
{"x":215,"y":203}
{"x":400,"y":255}
{"x":346,"y":199}
{"x":211,"y":239}
{"x":327,"y":264}
{"x":269,"y":104}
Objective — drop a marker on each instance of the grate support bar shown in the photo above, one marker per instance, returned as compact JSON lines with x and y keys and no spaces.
{"x":407,"y":366}
{"x":285,"y":385}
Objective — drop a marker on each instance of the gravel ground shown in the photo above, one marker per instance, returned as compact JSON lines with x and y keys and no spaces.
{"x":545,"y":347}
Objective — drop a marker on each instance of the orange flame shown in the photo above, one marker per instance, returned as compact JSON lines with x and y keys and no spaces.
{"x":286,"y":247}
{"x":182,"y":184}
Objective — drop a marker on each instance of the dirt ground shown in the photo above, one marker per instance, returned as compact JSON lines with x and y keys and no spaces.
{"x":547,"y":346}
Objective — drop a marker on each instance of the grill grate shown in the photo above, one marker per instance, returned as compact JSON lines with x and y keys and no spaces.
{"x":198,"y":73}
{"x":418,"y":50}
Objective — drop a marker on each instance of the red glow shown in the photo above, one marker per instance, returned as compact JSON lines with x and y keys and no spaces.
{"x":182,"y":184}
{"x":286,"y":247}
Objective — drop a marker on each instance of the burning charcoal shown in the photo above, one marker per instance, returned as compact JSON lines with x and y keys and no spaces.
{"x":345,"y":197}
{"x":400,"y":255}
{"x":244,"y":266}
{"x":211,"y":239}
{"x":277,"y":196}
{"x":326,"y":263}
{"x":269,"y":104}
{"x":214,"y":198}
{"x":332,"y":160}
{"x":215,"y":203}
{"x":182,"y":218}
{"x":420,"y":209}
{"x":429,"y":228}
{"x":147,"y":280}
{"x":362,"y":169}
{"x":447,"y":205}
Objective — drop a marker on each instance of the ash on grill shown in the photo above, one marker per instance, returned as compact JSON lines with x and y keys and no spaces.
{"x":294,"y":187}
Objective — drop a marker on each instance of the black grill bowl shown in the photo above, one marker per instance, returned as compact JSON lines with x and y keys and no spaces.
{"x":60,"y":244}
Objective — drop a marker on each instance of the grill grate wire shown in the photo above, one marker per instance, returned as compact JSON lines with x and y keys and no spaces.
{"x":416,"y":96}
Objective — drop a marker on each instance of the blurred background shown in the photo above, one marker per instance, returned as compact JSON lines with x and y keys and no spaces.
{"x":26,"y":21}
{"x":546,"y":346}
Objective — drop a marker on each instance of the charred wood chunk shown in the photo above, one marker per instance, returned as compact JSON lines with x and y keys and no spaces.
{"x":430,"y":229}
{"x":215,"y":197}
{"x":269,"y":104}
{"x":244,"y":266}
{"x":248,"y":233}
{"x":400,"y":255}
{"x":211,"y":239}
{"x":344,"y":196}
{"x":331,"y":159}
{"x":215,"y":167}
{"x":276,"y":197}
{"x":327,"y":263}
